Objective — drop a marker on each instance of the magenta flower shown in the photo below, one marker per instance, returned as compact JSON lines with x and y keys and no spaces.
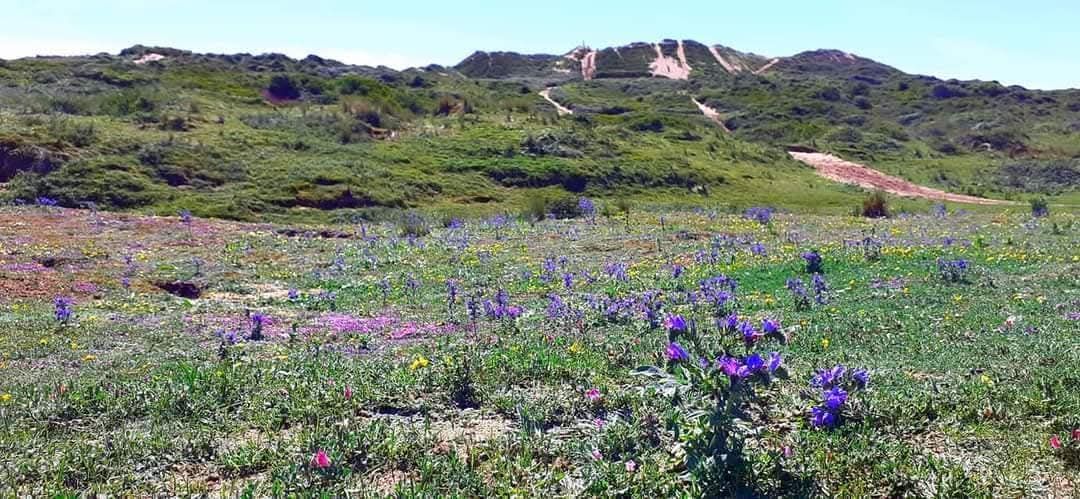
{"x":597,"y":455}
{"x":675,"y":352}
{"x":1055,"y":442}
{"x":320,"y":460}
{"x":593,"y":394}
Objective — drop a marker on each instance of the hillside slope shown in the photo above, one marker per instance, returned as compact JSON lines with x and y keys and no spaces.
{"x":265,"y":136}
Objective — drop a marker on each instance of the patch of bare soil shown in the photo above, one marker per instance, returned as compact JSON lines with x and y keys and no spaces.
{"x":839,"y":170}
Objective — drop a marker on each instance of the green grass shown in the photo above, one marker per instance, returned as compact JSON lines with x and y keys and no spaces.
{"x":137,"y":396}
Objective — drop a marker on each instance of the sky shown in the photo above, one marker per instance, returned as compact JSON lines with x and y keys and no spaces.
{"x":1033,"y":43}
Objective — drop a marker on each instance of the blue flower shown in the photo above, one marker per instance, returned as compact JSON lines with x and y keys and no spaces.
{"x":755,"y":363}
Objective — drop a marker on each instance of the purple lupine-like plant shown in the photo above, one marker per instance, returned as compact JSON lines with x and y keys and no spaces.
{"x":813,"y":262}
{"x":820,"y":288}
{"x":63,"y":309}
{"x":760,"y":214}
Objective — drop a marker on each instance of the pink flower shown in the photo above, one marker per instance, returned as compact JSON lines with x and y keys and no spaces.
{"x":1076,"y":434}
{"x":320,"y":460}
{"x":787,"y":451}
{"x":348,"y":393}
{"x":599,"y":422}
{"x":631,"y":466}
{"x":593,"y":394}
{"x":596,"y":455}
{"x":1055,"y":442}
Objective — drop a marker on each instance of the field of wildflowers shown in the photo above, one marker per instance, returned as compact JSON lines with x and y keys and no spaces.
{"x":658,"y":354}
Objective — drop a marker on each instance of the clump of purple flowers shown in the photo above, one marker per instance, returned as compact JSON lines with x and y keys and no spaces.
{"x":797,"y":288}
{"x":501,"y":308}
{"x":617,"y":271}
{"x":952,"y":270}
{"x":820,"y":289}
{"x":587,"y":207}
{"x":813,"y":262}
{"x":62,"y":309}
{"x":836,"y":385}
{"x":760,"y":214}
{"x":258,"y":322}
{"x":737,"y":368}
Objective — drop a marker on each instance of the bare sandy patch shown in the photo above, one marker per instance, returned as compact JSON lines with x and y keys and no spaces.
{"x":839,"y":170}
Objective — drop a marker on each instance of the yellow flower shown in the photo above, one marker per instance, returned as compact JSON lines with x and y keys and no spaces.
{"x":986,"y":380}
{"x":958,"y":298}
{"x":576,"y":347}
{"x":89,"y":357}
{"x":5,"y":397}
{"x":419,"y":363}
{"x":825,"y":343}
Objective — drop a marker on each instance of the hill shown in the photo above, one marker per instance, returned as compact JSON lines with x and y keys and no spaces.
{"x":245,"y":136}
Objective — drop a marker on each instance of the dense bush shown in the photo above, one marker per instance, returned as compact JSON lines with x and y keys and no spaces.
{"x":875,"y":206}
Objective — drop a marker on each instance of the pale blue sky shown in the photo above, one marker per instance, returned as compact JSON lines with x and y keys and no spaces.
{"x":1033,"y":43}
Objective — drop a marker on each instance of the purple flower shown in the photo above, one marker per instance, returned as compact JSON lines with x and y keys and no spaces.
{"x":761,"y":214}
{"x":770,"y":326}
{"x":820,"y":287}
{"x":62,"y":309}
{"x":730,"y":322}
{"x":826,"y":378}
{"x":758,"y":249}
{"x":775,"y":361}
{"x":675,"y":323}
{"x":676,"y":353}
{"x":586,"y":206}
{"x":293,"y":294}
{"x":729,"y":365}
{"x":822,"y":418}
{"x":813,"y":262}
{"x":568,"y":280}
{"x":835,"y":398}
{"x":861,"y":377}
{"x":748,"y":333}
{"x":677,"y":270}
{"x":452,"y":289}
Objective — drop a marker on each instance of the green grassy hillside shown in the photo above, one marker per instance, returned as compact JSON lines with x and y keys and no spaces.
{"x":257,"y":137}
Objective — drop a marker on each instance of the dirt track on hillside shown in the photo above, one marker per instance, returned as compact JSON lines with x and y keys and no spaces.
{"x":546,"y":94}
{"x":839,"y":170}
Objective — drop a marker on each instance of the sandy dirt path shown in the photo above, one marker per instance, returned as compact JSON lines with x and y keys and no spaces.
{"x":710,"y":113}
{"x":730,"y":68}
{"x":546,"y":94}
{"x":767,"y":66}
{"x":839,"y":170}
